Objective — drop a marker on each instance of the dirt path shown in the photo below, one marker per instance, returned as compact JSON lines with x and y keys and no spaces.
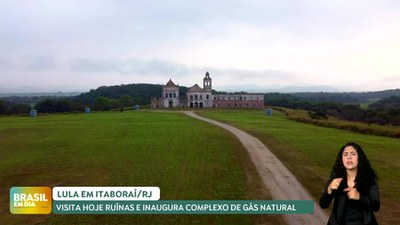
{"x":282,"y":184}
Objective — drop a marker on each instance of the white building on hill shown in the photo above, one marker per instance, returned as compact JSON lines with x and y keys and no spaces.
{"x":197,"y":97}
{"x":170,"y":95}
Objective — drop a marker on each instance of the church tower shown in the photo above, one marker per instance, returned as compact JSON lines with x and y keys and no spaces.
{"x":207,"y":83}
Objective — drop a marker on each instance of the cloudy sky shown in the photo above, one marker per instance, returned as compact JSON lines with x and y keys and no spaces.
{"x":77,"y":45}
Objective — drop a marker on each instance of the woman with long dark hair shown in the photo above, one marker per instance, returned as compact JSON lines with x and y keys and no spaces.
{"x":353,"y":187}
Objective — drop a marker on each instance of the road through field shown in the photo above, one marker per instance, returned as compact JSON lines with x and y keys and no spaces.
{"x":282,"y":184}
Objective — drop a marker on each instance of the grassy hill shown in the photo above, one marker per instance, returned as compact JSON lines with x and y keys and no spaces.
{"x":309,"y":152}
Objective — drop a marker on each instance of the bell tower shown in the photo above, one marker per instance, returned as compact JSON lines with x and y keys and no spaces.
{"x":207,"y":86}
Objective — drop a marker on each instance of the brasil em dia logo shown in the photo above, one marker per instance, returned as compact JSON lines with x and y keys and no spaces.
{"x":30,"y":200}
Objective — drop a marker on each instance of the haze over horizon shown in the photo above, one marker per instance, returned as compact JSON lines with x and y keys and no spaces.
{"x":77,"y":46}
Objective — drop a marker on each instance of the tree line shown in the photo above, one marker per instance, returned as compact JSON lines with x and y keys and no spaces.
{"x":100,"y":99}
{"x":344,"y":106}
{"x":384,"y":112}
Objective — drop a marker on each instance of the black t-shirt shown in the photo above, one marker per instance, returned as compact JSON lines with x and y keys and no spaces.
{"x":353,"y":211}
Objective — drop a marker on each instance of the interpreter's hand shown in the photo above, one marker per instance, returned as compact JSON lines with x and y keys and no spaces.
{"x":334,"y":185}
{"x":352,"y":193}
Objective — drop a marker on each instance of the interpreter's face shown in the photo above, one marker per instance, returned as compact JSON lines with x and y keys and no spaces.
{"x":350,"y":158}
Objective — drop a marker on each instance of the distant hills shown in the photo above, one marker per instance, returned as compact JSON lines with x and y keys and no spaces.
{"x":142,"y":93}
{"x":380,"y":107}
{"x":391,"y":103}
{"x":38,"y":94}
{"x":268,"y":89}
{"x":347,"y":97}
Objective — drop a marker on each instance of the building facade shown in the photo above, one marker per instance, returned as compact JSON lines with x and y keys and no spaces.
{"x":170,"y":93}
{"x":200,"y":97}
{"x":169,"y":97}
{"x":197,"y":97}
{"x":254,"y":101}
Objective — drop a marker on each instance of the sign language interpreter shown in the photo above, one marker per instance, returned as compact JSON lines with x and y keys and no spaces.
{"x":353,"y":187}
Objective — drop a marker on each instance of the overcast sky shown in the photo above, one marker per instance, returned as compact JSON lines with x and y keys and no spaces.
{"x":77,"y":45}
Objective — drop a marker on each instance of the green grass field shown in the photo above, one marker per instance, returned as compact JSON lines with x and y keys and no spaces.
{"x":309,"y":152}
{"x":186,"y":158}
